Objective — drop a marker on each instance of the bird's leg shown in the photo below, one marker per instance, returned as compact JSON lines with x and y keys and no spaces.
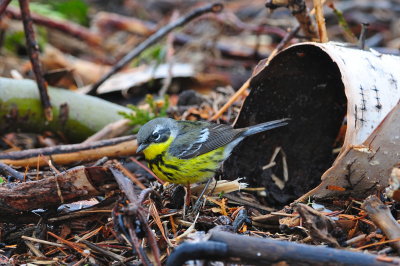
{"x":199,"y":200}
{"x":188,"y":194}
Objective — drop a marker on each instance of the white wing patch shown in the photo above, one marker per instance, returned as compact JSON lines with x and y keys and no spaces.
{"x":204,"y":133}
{"x":196,"y":145}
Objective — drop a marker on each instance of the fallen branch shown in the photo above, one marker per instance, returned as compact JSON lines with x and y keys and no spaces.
{"x":223,"y":246}
{"x":134,"y":216}
{"x":11,"y":172}
{"x":65,"y":154}
{"x":77,"y":116}
{"x":76,"y":184}
{"x":381,"y":216}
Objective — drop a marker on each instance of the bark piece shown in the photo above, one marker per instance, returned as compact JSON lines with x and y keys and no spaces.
{"x":319,"y":226}
{"x":364,"y":168}
{"x":75,"y":184}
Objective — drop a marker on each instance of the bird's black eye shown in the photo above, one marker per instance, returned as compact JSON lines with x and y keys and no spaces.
{"x":156,"y":136}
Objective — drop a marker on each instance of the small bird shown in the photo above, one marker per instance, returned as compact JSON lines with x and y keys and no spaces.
{"x":186,"y":152}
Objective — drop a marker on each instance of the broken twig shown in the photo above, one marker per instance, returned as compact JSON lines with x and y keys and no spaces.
{"x":9,"y":171}
{"x":381,"y":216}
{"x":225,"y":246}
{"x":65,"y":154}
{"x":319,"y":15}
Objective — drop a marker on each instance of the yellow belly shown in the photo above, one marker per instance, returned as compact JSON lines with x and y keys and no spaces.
{"x":182,"y":171}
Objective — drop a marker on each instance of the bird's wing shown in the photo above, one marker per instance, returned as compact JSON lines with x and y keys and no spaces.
{"x":202,"y":138}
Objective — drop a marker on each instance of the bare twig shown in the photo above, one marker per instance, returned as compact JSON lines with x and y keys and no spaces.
{"x":64,"y":154}
{"x":135,"y":211}
{"x":319,"y":15}
{"x":102,"y":250}
{"x":34,"y":249}
{"x":33,"y":51}
{"x":66,"y":27}
{"x":363,"y":35}
{"x":381,"y":216}
{"x":217,"y":7}
{"x":231,"y":100}
{"x":7,"y":170}
{"x":42,"y":241}
{"x":300,"y":11}
{"x":130,"y":175}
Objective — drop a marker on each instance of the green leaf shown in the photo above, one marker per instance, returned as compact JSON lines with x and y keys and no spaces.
{"x":75,"y":10}
{"x":140,"y":117}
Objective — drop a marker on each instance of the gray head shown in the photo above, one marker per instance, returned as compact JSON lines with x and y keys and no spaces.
{"x":157,"y":130}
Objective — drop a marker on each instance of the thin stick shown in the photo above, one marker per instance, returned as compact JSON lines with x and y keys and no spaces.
{"x":233,"y":99}
{"x":34,"y":249}
{"x":67,"y":27}
{"x":300,"y":12}
{"x":380,"y":214}
{"x":33,"y":51}
{"x":8,"y":170}
{"x":363,"y":35}
{"x":42,"y":241}
{"x":319,"y":15}
{"x":147,"y":170}
{"x":130,"y":175}
{"x":217,"y":7}
{"x":102,"y":250}
{"x":379,"y":243}
{"x":68,"y":243}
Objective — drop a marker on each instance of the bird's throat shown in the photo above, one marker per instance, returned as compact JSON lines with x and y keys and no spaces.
{"x":155,"y":149}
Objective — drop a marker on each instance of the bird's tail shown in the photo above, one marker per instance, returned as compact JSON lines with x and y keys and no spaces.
{"x":265,"y":126}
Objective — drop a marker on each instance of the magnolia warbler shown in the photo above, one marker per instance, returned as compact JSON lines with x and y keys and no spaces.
{"x":185,"y":152}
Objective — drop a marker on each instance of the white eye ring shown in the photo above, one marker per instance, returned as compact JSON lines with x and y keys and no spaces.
{"x":156,"y":135}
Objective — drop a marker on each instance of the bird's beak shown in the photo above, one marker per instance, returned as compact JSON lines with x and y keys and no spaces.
{"x":141,"y":147}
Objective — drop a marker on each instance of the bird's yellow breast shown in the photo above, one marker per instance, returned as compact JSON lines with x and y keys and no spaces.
{"x":182,"y":171}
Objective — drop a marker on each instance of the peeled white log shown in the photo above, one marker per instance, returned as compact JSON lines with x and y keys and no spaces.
{"x":372,"y":86}
{"x":313,"y":83}
{"x":372,"y":142}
